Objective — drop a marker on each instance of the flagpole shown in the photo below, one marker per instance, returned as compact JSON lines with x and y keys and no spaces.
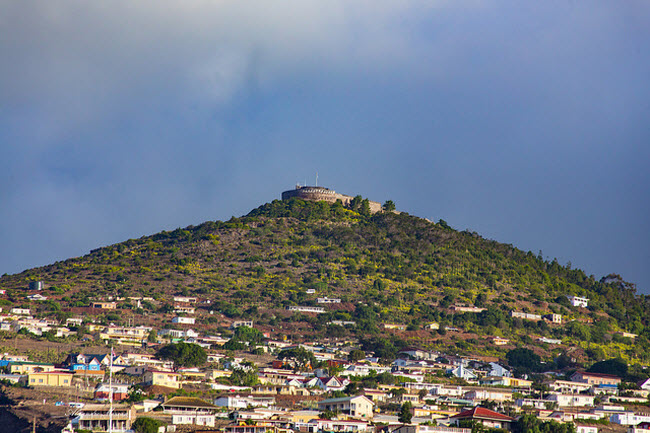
{"x":110,"y":394}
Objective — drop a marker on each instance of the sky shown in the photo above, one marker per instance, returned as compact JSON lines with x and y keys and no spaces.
{"x":527,"y":122}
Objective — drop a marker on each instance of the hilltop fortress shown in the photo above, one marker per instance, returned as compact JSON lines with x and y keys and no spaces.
{"x":319,"y":193}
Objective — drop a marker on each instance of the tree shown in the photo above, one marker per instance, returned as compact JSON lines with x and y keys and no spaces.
{"x":184,"y":354}
{"x":356,"y":355}
{"x":617,"y":367}
{"x":244,"y":376}
{"x":246,"y":333}
{"x":152,"y":337}
{"x":389,"y":206}
{"x":302,"y":357}
{"x":365,"y":207}
{"x":146,"y":425}
{"x":405,"y":414}
{"x":525,"y":361}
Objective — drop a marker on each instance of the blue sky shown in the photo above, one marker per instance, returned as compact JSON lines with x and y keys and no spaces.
{"x":528,"y":122}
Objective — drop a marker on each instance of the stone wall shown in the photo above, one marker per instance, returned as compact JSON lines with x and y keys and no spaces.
{"x":319,"y":193}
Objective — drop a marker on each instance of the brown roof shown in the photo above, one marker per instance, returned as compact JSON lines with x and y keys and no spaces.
{"x":188,"y":402}
{"x":483,"y":413}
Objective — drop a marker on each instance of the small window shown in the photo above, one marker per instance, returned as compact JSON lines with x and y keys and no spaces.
{"x":40,"y":380}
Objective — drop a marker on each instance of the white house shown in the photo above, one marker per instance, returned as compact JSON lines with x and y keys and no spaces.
{"x":184,"y":320}
{"x":498,"y":370}
{"x":462,"y":372}
{"x":644,"y":384}
{"x":629,"y":418}
{"x":583,"y":428}
{"x":574,"y":400}
{"x":578,"y":301}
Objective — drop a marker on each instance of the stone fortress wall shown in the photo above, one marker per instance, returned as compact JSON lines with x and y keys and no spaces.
{"x":319,"y":193}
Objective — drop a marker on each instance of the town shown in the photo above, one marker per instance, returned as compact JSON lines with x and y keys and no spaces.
{"x":177,"y":379}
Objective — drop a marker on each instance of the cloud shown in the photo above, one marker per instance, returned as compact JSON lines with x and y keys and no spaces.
{"x":121,"y":118}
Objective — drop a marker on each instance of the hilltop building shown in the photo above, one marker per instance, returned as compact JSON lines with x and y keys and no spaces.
{"x":319,"y":193}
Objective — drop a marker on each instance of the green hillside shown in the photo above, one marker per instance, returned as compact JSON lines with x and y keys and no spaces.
{"x":386,"y":268}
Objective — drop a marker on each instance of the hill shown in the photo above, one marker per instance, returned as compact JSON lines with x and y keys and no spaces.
{"x":385,"y":268}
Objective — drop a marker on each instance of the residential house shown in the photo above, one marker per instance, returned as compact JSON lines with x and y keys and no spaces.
{"x":26,"y":367}
{"x":578,"y":301}
{"x":487,"y":417}
{"x":184,"y":310}
{"x":95,"y":417}
{"x":134,"y":335}
{"x":350,"y":425}
{"x":357,"y":406}
{"x":629,"y":418}
{"x":50,"y":378}
{"x":644,"y":384}
{"x":161,"y":378}
{"x":332,"y":383}
{"x":505,"y":381}
{"x":237,"y":323}
{"x":327,"y":300}
{"x":176,"y":334}
{"x":394,"y":326}
{"x":237,"y":402}
{"x":190,"y":410}
{"x":553,"y":318}
{"x":260,"y":426}
{"x":574,"y":400}
{"x":498,"y":370}
{"x":526,"y":316}
{"x":104,"y":305}
{"x":643,"y":427}
{"x":421,"y":428}
{"x":595,"y":378}
{"x":479,"y":395}
{"x":462,"y":372}
{"x":375,"y":395}
{"x":306,"y":309}
{"x":103,"y":391}
{"x":185,"y":299}
{"x":567,"y":387}
{"x":586,"y":428}
{"x":184,"y":320}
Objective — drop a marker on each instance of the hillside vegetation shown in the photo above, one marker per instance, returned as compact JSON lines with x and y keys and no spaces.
{"x":386,"y":268}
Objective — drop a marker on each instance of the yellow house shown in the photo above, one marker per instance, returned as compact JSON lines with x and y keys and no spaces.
{"x":162,"y":378}
{"x":50,"y":378}
{"x":29,"y":367}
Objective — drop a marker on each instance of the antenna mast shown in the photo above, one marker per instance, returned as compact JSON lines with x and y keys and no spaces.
{"x":316,"y":178}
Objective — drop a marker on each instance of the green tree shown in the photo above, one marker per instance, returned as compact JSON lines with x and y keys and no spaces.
{"x":184,"y":354}
{"x":356,"y":355}
{"x":146,"y":425}
{"x":152,"y":337}
{"x":244,"y":376}
{"x":524,"y":361}
{"x":617,"y":367}
{"x":302,"y":357}
{"x":405,"y":414}
{"x":389,"y":206}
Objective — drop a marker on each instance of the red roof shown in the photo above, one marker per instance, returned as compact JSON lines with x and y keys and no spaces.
{"x":482,"y":413}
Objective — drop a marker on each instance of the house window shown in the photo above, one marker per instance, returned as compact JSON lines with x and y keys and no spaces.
{"x":40,"y":380}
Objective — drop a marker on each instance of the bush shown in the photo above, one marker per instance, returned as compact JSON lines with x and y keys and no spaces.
{"x":146,"y":425}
